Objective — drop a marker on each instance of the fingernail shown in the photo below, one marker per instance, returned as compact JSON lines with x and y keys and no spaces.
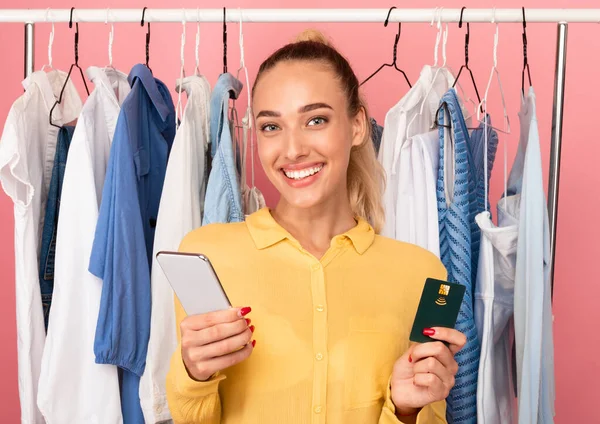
{"x":252,"y":328}
{"x":248,"y":321}
{"x":253,"y":343}
{"x":409,"y":358}
{"x":245,"y":310}
{"x":429,"y":332}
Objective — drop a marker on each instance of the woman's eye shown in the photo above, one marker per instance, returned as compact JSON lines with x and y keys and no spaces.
{"x":319,"y":120}
{"x":268,"y":127}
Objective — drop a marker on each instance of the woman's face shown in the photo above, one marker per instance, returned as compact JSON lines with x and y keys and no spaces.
{"x":304,"y":132}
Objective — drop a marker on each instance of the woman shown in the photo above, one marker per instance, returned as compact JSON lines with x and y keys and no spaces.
{"x":332,"y":302}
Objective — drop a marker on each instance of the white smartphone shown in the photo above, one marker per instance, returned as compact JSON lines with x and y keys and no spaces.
{"x":194,"y":281}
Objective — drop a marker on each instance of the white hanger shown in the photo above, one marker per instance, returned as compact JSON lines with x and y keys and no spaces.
{"x":506,"y":128}
{"x":111,"y":39}
{"x":179,"y":109}
{"x":246,"y":120}
{"x":197,"y":69}
{"x":494,"y":71}
{"x":441,"y":34}
{"x":50,"y":42}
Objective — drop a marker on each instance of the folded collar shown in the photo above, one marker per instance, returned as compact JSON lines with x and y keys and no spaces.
{"x":142,"y":73}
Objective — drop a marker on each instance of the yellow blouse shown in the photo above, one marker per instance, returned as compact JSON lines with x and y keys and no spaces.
{"x":327,"y":331}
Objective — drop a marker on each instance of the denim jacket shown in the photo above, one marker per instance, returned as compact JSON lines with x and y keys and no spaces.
{"x":223,"y":202}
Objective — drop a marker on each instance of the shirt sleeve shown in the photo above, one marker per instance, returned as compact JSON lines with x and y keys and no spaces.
{"x":13,"y":167}
{"x":434,"y":413}
{"x":119,"y":258}
{"x":191,"y":401}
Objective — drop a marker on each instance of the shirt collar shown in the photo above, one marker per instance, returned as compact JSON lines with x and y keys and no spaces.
{"x":142,"y":73}
{"x":266,"y":232}
{"x":111,"y":80}
{"x":50,"y":85}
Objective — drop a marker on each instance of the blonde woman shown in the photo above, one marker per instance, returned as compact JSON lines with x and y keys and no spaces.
{"x":323,"y":333}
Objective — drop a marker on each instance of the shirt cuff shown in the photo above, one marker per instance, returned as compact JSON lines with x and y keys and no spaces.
{"x":193,"y":388}
{"x":432,"y":413}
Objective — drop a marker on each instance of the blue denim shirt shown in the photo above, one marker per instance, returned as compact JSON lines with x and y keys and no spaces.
{"x":122,"y":249}
{"x":48,"y":249}
{"x":223,"y":202}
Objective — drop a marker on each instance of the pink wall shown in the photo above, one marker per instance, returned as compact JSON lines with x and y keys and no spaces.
{"x":367,"y":45}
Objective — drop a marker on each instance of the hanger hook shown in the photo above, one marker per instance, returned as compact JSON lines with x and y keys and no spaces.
{"x":224,"y":40}
{"x":460,"y":21}
{"x":111,"y":38}
{"x":71,"y":18}
{"x":387,"y":19}
{"x":50,"y":40}
{"x":525,"y":60}
{"x":147,"y":38}
{"x":197,"y":70}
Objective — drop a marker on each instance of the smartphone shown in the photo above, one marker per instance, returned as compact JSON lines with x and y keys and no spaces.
{"x":439,"y":307}
{"x":194,"y":281}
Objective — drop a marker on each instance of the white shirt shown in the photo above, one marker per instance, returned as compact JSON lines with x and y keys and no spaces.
{"x":181,"y":208}
{"x":27,"y":151}
{"x":494,"y":302}
{"x":417,"y":211}
{"x":73,"y":388}
{"x":403,"y":121}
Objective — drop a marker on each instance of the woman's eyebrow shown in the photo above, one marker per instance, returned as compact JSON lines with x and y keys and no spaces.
{"x":303,"y":109}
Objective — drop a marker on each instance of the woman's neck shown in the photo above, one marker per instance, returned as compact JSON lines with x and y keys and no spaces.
{"x":314,"y":227}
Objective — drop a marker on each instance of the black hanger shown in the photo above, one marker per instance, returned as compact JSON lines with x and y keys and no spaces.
{"x":525,"y":62}
{"x":147,"y":39}
{"x":224,"y":40}
{"x":74,"y":65}
{"x":466,"y":65}
{"x":393,"y":64}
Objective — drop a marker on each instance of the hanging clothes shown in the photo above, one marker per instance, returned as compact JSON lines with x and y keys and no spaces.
{"x":223,"y":202}
{"x":122,"y":249}
{"x":180,"y":211}
{"x":494,"y":301}
{"x":376,"y":134}
{"x":533,"y":305}
{"x":402,"y":122}
{"x":252,"y":198}
{"x":455,"y":194}
{"x":27,"y":151}
{"x":48,"y":251}
{"x":69,"y":374}
{"x":477,"y":143}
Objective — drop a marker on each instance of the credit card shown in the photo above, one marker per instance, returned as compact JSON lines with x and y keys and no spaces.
{"x":439,"y":307}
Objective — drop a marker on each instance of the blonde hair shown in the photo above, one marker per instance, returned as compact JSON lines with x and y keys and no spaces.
{"x":366,"y":177}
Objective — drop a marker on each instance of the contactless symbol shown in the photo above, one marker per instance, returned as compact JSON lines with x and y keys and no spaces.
{"x":441,"y":301}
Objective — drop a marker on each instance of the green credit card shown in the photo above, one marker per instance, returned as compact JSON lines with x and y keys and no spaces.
{"x":439,"y":307}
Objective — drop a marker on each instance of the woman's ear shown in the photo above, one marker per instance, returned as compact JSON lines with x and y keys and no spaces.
{"x":359,"y":127}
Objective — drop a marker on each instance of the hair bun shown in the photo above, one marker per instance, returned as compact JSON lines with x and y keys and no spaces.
{"x":312,"y":35}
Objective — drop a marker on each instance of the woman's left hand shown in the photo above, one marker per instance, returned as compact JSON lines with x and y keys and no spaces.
{"x":425,"y":373}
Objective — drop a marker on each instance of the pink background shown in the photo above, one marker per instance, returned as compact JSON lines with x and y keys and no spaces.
{"x":367,"y":46}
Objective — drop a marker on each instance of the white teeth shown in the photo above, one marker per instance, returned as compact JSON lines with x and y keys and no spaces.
{"x":298,"y":175}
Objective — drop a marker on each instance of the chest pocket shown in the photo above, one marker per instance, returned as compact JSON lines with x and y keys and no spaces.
{"x":142,"y":162}
{"x":372,"y":350}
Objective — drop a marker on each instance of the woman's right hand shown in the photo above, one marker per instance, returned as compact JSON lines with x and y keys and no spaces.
{"x":215,"y":341}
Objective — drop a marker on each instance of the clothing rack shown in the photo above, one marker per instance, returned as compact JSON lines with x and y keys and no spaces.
{"x":559,"y":16}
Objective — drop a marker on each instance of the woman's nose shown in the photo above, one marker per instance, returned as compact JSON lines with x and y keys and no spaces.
{"x":295,"y":145}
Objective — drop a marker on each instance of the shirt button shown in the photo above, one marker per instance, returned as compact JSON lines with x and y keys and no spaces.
{"x":319,"y":356}
{"x":320,"y":308}
{"x":318,"y":409}
{"x":158,"y":409}
{"x":316,"y":267}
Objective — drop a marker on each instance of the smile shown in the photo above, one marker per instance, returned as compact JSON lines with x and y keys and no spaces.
{"x":303,"y":173}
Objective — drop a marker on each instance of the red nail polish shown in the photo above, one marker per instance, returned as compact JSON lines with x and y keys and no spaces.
{"x":409,"y":358}
{"x":248,"y":321}
{"x":253,"y":343}
{"x":429,"y":332}
{"x":245,"y":311}
{"x":252,"y":328}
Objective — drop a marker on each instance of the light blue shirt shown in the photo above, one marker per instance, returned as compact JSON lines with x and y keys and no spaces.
{"x":122,"y":249}
{"x":223,"y":201}
{"x":533,"y":305}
